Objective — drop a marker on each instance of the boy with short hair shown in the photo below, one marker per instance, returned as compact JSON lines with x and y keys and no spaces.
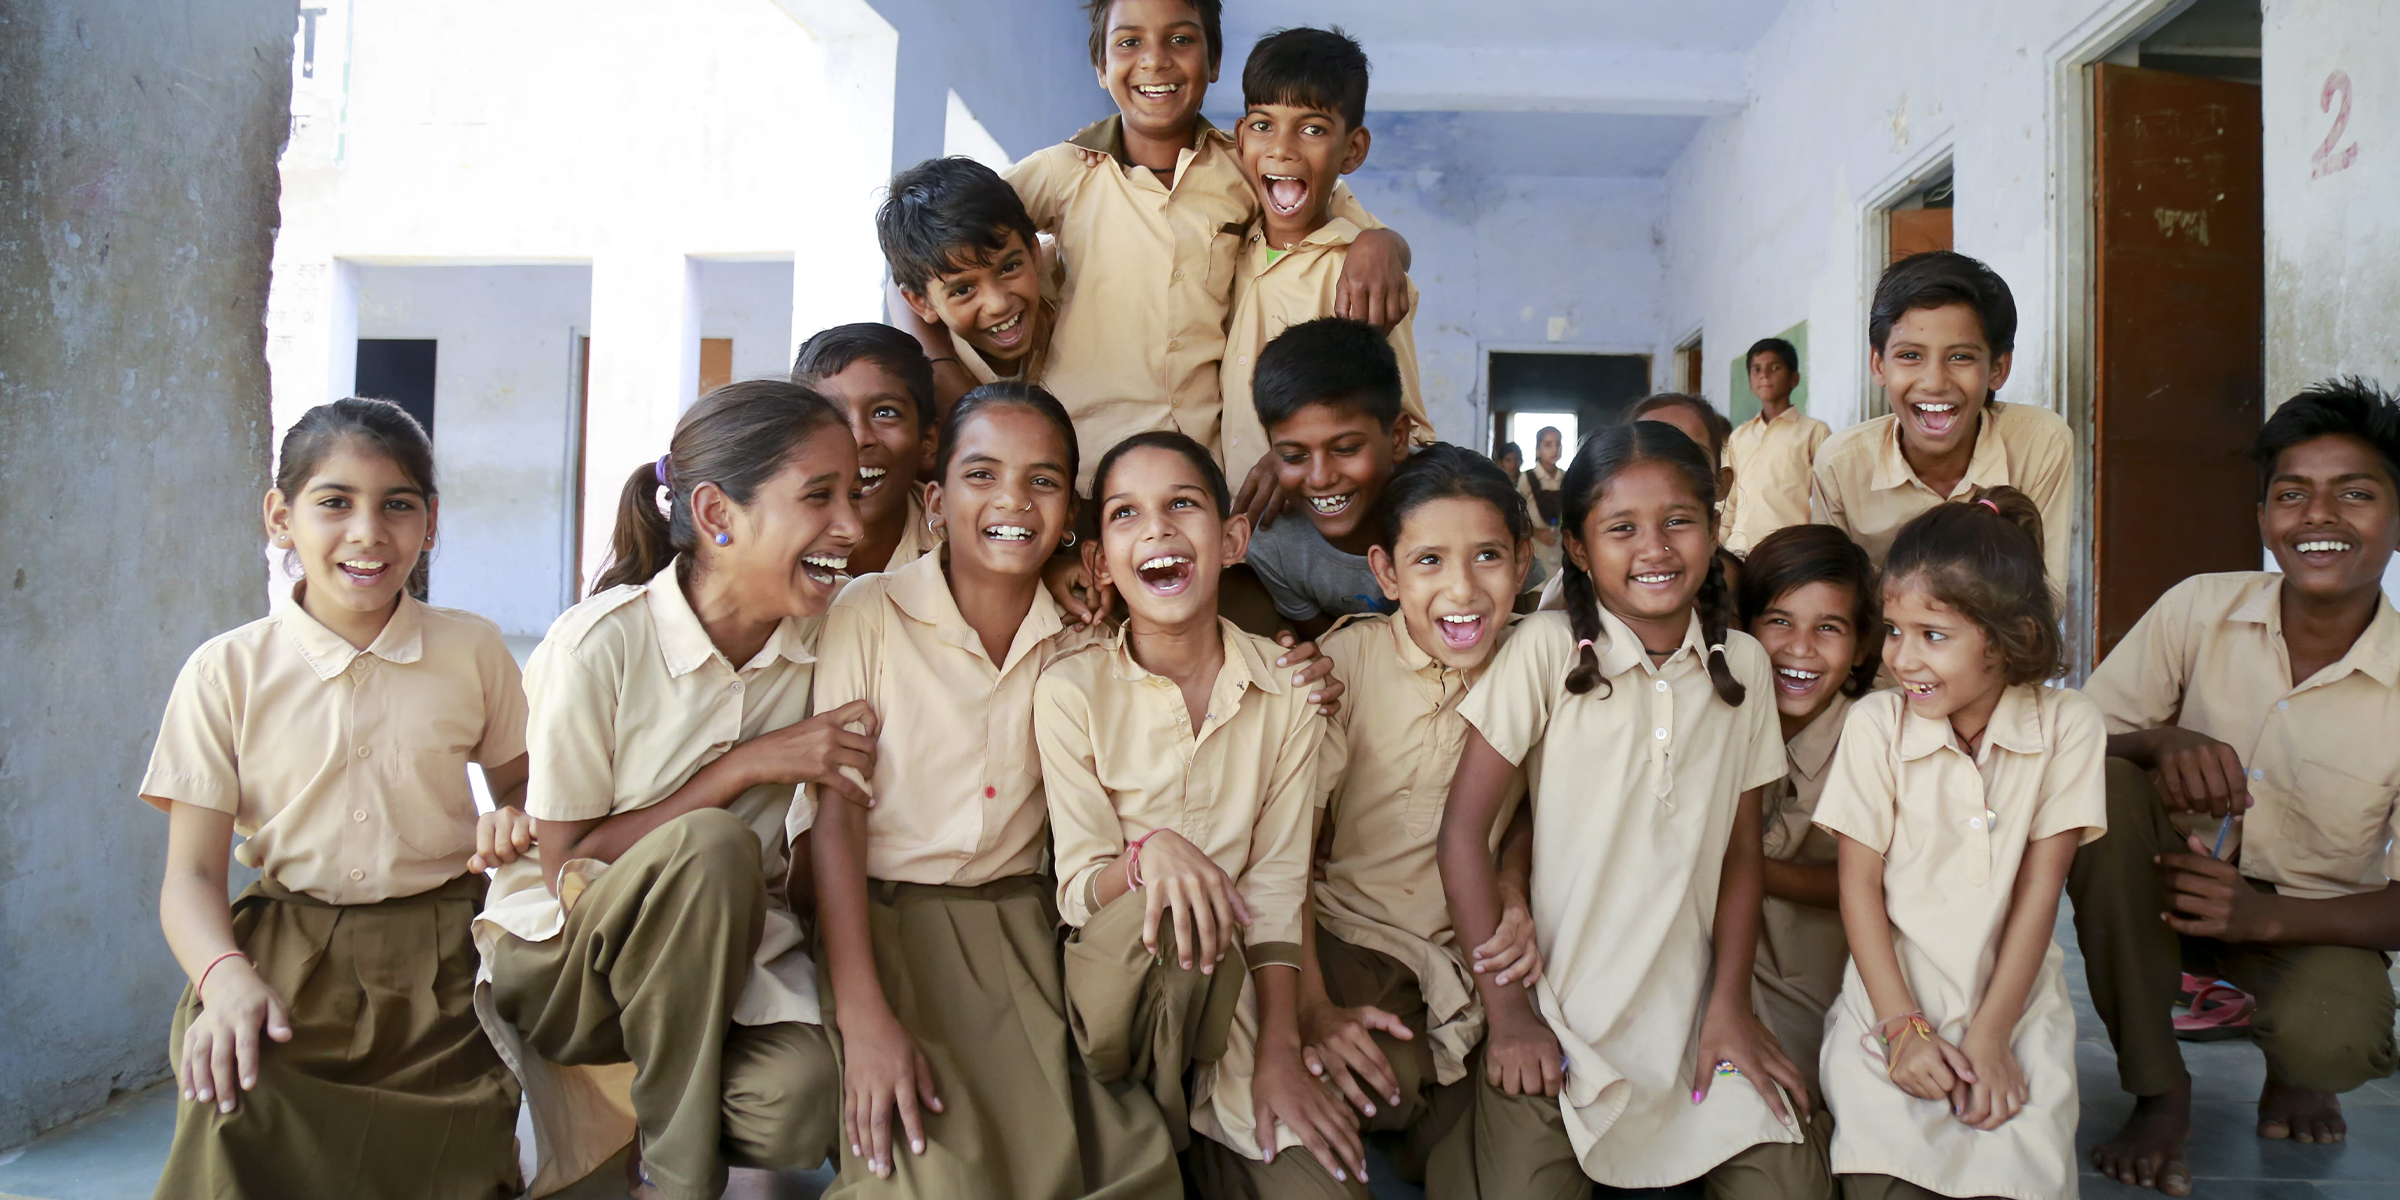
{"x":1305,"y":96}
{"x":1773,"y":452}
{"x":2274,"y":696}
{"x":879,"y":377}
{"x":1327,"y":392}
{"x":1941,"y":334}
{"x":964,"y":254}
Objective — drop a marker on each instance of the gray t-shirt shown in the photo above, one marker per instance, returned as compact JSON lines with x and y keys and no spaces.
{"x":1308,"y":576}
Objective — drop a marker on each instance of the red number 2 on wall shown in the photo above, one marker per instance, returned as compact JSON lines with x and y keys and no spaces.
{"x":2327,"y":159}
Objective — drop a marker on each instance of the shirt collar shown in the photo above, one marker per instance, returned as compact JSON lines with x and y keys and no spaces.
{"x":1620,"y":651}
{"x":402,"y":639}
{"x":1988,"y":468}
{"x":2016,"y":726}
{"x":1338,"y":231}
{"x":1812,"y":748}
{"x":2376,"y":653}
{"x":684,"y":642}
{"x":1108,"y":136}
{"x":921,"y":589}
{"x":1244,"y":665}
{"x":1762,"y":420}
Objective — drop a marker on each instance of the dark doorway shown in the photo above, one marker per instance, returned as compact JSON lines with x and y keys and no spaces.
{"x":399,"y":370}
{"x":1597,"y":388}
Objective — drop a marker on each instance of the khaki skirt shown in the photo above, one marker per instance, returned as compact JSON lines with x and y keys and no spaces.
{"x":388,"y":1087}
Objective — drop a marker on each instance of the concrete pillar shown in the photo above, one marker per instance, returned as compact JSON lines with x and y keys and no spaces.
{"x":645,"y":371}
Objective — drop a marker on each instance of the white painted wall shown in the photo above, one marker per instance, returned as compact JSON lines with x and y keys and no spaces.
{"x":750,"y":302}
{"x":503,"y":396}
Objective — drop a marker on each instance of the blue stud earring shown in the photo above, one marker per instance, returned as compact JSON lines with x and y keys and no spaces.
{"x":724,"y":539}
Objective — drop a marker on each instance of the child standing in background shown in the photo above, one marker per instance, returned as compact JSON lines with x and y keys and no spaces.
{"x":327,"y":1044}
{"x":880,"y":380}
{"x":1959,"y":799}
{"x":1772,"y":453}
{"x":1539,"y":485}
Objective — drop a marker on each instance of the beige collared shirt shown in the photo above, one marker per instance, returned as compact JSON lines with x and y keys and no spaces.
{"x":1030,"y":369}
{"x":1381,"y":889}
{"x":1634,"y":786}
{"x":1771,"y":461}
{"x":1801,"y":948}
{"x":1149,"y":281}
{"x":957,"y":784}
{"x":1272,"y":293}
{"x":1864,"y":485}
{"x":345,"y":769}
{"x":1953,"y":829}
{"x":2323,"y":753}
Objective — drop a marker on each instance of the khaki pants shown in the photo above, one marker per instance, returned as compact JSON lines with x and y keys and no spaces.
{"x":648,"y":969}
{"x":1516,"y":1148}
{"x":388,"y":1087}
{"x":1147,"y":1020}
{"x":1886,"y":1187}
{"x":2324,"y":1015}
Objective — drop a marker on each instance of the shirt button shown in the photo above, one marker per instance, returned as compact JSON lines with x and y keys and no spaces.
{"x":1174,"y":343}
{"x":1975,"y":822}
{"x":2283,"y":706}
{"x":1661,"y":734}
{"x":990,"y":791}
{"x":737,"y":685}
{"x":2255,"y":773}
{"x":356,"y":874}
{"x":360,"y":815}
{"x":1179,"y":276}
{"x":1661,"y":685}
{"x":364,"y":752}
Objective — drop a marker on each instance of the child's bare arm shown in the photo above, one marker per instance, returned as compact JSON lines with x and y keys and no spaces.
{"x":950,"y":377}
{"x":1999,"y":1090}
{"x":1512,"y":954}
{"x":221,"y":1047}
{"x":1522,"y":1056}
{"x":882,"y":1068}
{"x":1730,"y":1031}
{"x":1817,"y":886}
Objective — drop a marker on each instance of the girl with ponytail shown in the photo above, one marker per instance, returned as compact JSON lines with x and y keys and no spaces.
{"x":1645,"y":758}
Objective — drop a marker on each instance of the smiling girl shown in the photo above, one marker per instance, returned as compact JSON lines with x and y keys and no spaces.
{"x":937,"y":918}
{"x":1958,"y":800}
{"x":327,"y":1044}
{"x":667,"y":721}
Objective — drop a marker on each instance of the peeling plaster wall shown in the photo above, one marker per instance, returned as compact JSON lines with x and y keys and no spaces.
{"x":138,"y":215}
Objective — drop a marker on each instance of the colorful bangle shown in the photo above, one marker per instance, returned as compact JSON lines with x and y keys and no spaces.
{"x":212,"y":965}
{"x":1133,"y":860}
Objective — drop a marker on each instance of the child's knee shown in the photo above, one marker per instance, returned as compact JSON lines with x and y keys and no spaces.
{"x":2326,"y":1025}
{"x":782,"y":1094}
{"x":714,"y":838}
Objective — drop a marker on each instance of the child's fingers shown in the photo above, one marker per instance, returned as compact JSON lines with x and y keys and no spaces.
{"x":879,"y":1134}
{"x":912,"y":1118}
{"x":926,"y":1093}
{"x":843,"y":786}
{"x":279,"y":1019}
{"x":1333,"y":1138}
{"x":1206,"y":946}
{"x":1241,"y":909}
{"x":850,"y":1122}
{"x":1182,"y":908}
{"x":1956,"y":1060}
{"x":1364,"y":1059}
{"x":224,"y":1083}
{"x":1375,"y":1018}
{"x":1152,"y":900}
{"x":1344,"y":1080}
{"x":1553,"y":1074}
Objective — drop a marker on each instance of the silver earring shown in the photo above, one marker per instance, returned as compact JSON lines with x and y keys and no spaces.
{"x":1070,"y":542}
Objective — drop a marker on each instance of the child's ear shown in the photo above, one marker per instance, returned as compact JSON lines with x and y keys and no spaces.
{"x":276,"y":511}
{"x":934,"y":514}
{"x":2000,"y":369}
{"x":433,"y":517}
{"x":1874,"y":365}
{"x":1575,"y":551}
{"x":712,"y":512}
{"x":1095,"y":564}
{"x":1356,"y":156}
{"x":1237,"y":538}
{"x":917,"y":304}
{"x":927,"y":442}
{"x":1387,"y":573}
{"x":1403,"y":427}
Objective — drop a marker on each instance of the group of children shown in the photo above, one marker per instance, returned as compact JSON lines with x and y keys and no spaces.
{"x":1096,"y":743}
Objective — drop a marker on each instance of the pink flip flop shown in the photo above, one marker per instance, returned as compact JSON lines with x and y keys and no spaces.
{"x":2219,"y":1012}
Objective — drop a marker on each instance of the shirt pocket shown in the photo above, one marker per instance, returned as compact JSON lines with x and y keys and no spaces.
{"x":2337,"y":822}
{"x":428,"y":803}
{"x":1224,"y":254}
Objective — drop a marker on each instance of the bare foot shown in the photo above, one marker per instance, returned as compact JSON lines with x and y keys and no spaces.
{"x":2148,"y":1151}
{"x":2301,"y":1115}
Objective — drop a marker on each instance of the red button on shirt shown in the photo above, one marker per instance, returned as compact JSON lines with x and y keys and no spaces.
{"x":990,"y":792}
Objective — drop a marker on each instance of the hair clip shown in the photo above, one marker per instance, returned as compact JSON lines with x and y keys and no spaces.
{"x":1988,"y":504}
{"x":1718,"y":648}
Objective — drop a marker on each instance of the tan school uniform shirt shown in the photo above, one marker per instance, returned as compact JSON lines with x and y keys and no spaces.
{"x":1801,"y":948}
{"x":1149,"y":281}
{"x":1771,"y":461}
{"x":1273,"y":292}
{"x":2323,"y":753}
{"x":1120,"y":759}
{"x":1953,"y":829}
{"x":957,"y":783}
{"x":345,"y":769}
{"x":1864,"y":486}
{"x":1030,"y":368}
{"x":1401,"y":737}
{"x":1633,"y":786}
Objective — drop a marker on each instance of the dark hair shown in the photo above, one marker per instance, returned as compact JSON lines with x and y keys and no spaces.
{"x":2349,"y":405}
{"x":1445,"y":472}
{"x":1611,"y":449}
{"x":944,"y":213}
{"x":1720,"y":430}
{"x":1321,"y":69}
{"x":1936,"y":278}
{"x":1332,"y":361}
{"x":1778,"y":347}
{"x":1212,"y":13}
{"x":737,"y":437}
{"x":1508,"y":448}
{"x":1983,"y":557}
{"x":1006,"y":394}
{"x":1796,"y":556}
{"x":1179,"y":443}
{"x":833,"y":351}
{"x":375,"y":426}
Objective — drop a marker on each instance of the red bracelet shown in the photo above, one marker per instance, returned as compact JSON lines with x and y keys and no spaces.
{"x":212,"y":965}
{"x":1133,"y":860}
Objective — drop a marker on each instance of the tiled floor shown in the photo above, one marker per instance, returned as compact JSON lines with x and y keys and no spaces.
{"x":115,"y":1154}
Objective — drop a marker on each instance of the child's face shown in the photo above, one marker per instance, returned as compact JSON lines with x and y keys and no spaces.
{"x":1511,"y":462}
{"x":1646,"y":543}
{"x":358,"y":527}
{"x":1162,"y":544}
{"x":893,"y":448}
{"x":1546,"y":448}
{"x":2331,"y":517}
{"x":789,"y":548}
{"x":1770,"y":380}
{"x":1335,"y":459}
{"x":1454,"y":572}
{"x":1156,"y":66}
{"x":1810,"y":637}
{"x":995,"y":303}
{"x":1009,"y":494}
{"x":1947,"y":668}
{"x":1292,"y":157}
{"x":1938,"y":370}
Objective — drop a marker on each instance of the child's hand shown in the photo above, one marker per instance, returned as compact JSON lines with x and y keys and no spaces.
{"x":1374,"y":283}
{"x":883,"y":1071}
{"x":1316,"y":672}
{"x":1930,"y":1068}
{"x":1077,"y":589}
{"x":817,"y":751}
{"x":1511,"y":949}
{"x":1520,"y":1055}
{"x":1283,"y":1094}
{"x":1731,"y":1033}
{"x":1998,"y":1091}
{"x":1091,"y":157}
{"x":2197,"y":773}
{"x":502,"y":836}
{"x":1177,"y":877}
{"x":1338,"y":1045}
{"x":220,"y":1047}
{"x":1262,"y":498}
{"x":2209,"y":898}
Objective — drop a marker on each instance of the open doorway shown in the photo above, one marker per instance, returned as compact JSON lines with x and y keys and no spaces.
{"x":1592,"y":389}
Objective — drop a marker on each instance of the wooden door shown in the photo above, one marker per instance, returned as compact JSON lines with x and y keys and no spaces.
{"x":2180,"y":247}
{"x":1917,"y":230}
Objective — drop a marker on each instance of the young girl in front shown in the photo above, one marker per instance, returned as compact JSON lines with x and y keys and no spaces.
{"x":327,"y":1044}
{"x":1808,"y":596}
{"x":1644,"y":726}
{"x":668,"y":731}
{"x":1182,"y":770}
{"x":935,"y":912}
{"x":1959,"y":799}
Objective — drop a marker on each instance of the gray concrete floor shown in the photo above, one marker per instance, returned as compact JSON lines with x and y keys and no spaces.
{"x":115,"y":1154}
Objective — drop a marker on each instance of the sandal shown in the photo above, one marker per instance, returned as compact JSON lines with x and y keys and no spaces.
{"x":2219,"y":1012}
